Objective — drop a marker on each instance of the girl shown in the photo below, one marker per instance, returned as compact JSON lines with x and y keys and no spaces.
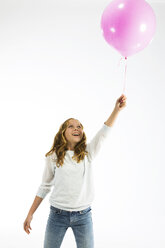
{"x":68,"y":167}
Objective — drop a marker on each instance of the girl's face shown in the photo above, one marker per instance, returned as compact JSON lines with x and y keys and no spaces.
{"x":74,"y":127}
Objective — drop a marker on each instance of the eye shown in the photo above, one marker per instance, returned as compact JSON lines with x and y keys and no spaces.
{"x":72,"y":126}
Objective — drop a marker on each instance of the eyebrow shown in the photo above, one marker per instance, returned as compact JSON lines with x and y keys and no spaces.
{"x":73,"y":124}
{"x":77,"y":124}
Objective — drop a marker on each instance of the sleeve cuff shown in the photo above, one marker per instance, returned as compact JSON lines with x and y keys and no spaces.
{"x":41,"y":194}
{"x":106,"y":129}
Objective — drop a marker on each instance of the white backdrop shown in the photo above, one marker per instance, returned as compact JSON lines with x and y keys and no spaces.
{"x":55,"y":64}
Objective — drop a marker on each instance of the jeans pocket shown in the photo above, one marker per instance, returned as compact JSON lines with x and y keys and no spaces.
{"x":55,"y":210}
{"x":87,"y":210}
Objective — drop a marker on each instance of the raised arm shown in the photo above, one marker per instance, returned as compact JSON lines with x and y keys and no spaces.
{"x":96,"y":143}
{"x":120,"y":104}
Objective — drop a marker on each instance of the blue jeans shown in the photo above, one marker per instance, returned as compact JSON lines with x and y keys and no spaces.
{"x":58,"y":223}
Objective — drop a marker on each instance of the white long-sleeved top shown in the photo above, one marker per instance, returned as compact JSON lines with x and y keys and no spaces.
{"x":73,"y":182}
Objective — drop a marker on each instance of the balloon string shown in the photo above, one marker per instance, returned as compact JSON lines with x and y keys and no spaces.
{"x":125,"y":72}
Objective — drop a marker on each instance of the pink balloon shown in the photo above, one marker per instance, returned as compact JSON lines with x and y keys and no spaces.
{"x":128,"y":25}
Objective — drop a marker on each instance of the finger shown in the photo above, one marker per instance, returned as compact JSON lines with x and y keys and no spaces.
{"x":122,"y":104}
{"x":123,"y":100}
{"x":24,"y":226}
{"x":27,"y":227}
{"x":123,"y":97}
{"x":27,"y":230}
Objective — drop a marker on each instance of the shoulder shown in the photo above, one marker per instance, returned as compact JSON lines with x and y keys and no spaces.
{"x":51,"y":161}
{"x":52,"y":157}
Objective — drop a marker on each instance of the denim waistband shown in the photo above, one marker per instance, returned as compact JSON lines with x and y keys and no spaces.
{"x":66,"y":211}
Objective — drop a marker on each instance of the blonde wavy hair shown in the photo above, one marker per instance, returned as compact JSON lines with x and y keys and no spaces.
{"x":60,"y":145}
